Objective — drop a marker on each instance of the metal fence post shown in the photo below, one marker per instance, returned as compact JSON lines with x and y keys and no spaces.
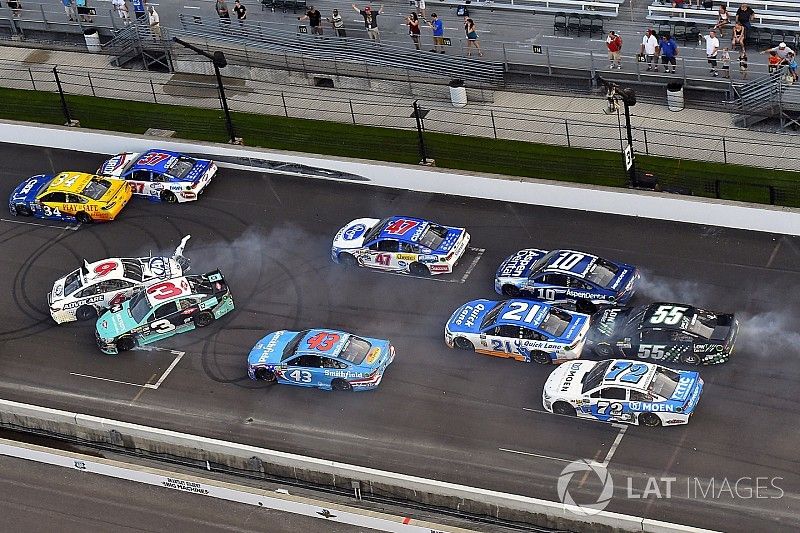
{"x":549,"y":66}
{"x":352,"y":113}
{"x":422,"y":151}
{"x":724,"y":150}
{"x":153,"y":88}
{"x":285,"y":109}
{"x":64,"y":107}
{"x":33,"y":83}
{"x":566,"y":128}
{"x":494,"y":128}
{"x":646,"y":146}
{"x":591,"y":64}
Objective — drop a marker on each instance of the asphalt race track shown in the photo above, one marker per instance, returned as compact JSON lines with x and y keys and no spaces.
{"x":439,"y":413}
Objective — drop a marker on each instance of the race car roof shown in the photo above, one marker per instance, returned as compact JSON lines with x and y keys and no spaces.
{"x":104,"y":269}
{"x":647,"y":313}
{"x":522,"y":313}
{"x":576,"y":263}
{"x":322,"y":342}
{"x":68,"y":182}
{"x":404,"y":229}
{"x":155,"y":160}
{"x":630,"y":375}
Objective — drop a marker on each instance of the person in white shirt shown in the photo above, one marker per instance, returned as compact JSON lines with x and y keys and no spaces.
{"x":155,"y":22}
{"x":712,"y":47}
{"x":121,"y":8}
{"x":649,"y":48}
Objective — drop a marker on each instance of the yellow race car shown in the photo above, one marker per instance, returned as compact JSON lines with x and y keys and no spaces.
{"x":70,"y":196}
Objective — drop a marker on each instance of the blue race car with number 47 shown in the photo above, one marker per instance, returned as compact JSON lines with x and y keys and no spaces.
{"x":162,"y":310}
{"x":616,"y":390}
{"x":566,"y":276}
{"x":161,"y":174}
{"x":326,"y":359}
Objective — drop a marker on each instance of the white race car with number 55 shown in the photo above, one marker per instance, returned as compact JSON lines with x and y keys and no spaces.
{"x":84,"y":293}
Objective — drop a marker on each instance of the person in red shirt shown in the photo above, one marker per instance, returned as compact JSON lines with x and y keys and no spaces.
{"x":614,"y":44}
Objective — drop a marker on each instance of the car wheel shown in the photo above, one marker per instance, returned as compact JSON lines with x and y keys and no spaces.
{"x":203,"y":318}
{"x":463,"y":344}
{"x":126,"y":343}
{"x":347,"y":260}
{"x":511,"y":291}
{"x":690,"y":359}
{"x":650,"y":420}
{"x":23,"y":210}
{"x":168,"y":197}
{"x":341,"y":385}
{"x":585,"y":306}
{"x":86,"y":312}
{"x":542,"y":358}
{"x":83,"y":218}
{"x":604,"y":349}
{"x":563,"y":408}
{"x":418,"y":269}
{"x":265,"y":374}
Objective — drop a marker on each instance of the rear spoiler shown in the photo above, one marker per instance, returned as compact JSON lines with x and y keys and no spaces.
{"x":216,"y":278}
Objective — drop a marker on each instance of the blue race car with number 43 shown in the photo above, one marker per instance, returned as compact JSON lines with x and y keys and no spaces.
{"x":161,"y":174}
{"x":326,"y":359}
{"x":162,"y":310}
{"x":566,"y":276}
{"x":616,"y":390}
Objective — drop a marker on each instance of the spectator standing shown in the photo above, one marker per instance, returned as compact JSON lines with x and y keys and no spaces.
{"x":649,"y":49}
{"x":614,"y":45}
{"x":412,"y":21}
{"x":678,"y":4}
{"x":420,"y":5}
{"x":338,"y":23}
{"x":69,"y":9}
{"x":121,"y":7}
{"x":155,"y":21}
{"x":738,"y":37}
{"x":792,"y":66}
{"x":743,"y":65}
{"x":370,"y":21}
{"x":773,"y":62}
{"x":781,"y":50}
{"x":15,"y":6}
{"x":437,"y":26}
{"x":314,"y":20}
{"x":472,"y":37}
{"x":241,"y":12}
{"x":712,"y":48}
{"x":83,"y":10}
{"x":222,"y":11}
{"x":726,"y":63}
{"x":669,"y":53}
{"x":722,"y":20}
{"x":744,"y":15}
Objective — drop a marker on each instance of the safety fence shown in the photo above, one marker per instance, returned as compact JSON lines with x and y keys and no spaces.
{"x":534,"y":139}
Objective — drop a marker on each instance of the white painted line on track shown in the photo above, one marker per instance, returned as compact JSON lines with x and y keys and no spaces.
{"x":617,"y":440}
{"x":70,"y":228}
{"x":472,"y":265}
{"x":536,"y":455}
{"x":153,"y":386}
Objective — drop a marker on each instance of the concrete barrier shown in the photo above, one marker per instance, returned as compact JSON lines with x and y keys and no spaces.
{"x":661,"y":206}
{"x":320,"y":471}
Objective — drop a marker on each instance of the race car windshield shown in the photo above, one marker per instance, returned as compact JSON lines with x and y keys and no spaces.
{"x":96,"y":188}
{"x":181,"y":167}
{"x":355,"y":350}
{"x":139,"y":306}
{"x":542,"y":261}
{"x":371,"y":234}
{"x":702,"y":324}
{"x":491,"y":315}
{"x":556,"y":322}
{"x":595,"y":376}
{"x":132,"y":270}
{"x":433,"y":237}
{"x":72,"y":282}
{"x":291,"y":346}
{"x":664,"y":382}
{"x":602,"y":273}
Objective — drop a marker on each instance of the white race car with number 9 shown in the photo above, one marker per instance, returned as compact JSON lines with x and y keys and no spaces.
{"x":84,"y":293}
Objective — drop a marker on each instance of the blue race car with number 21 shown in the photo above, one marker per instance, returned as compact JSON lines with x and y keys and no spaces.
{"x":326,"y":359}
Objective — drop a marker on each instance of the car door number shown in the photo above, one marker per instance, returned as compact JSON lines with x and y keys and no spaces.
{"x":383,"y":259}
{"x":300,"y":376}
{"x":609,"y":408}
{"x":546,"y":294}
{"x":51,"y":211}
{"x":651,"y":351}
{"x":162,"y":326}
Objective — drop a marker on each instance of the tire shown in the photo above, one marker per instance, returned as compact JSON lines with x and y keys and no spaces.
{"x":563,"y":408}
{"x":203,"y":318}
{"x":126,"y":343}
{"x":339,"y":384}
{"x":86,"y":312}
{"x":541,"y":358}
{"x":650,"y":420}
{"x":604,"y":349}
{"x":347,"y":260}
{"x":264,"y":374}
{"x":168,"y":197}
{"x":511,"y":291}
{"x":84,"y":218}
{"x":23,"y":210}
{"x":691,"y":359}
{"x":463,"y":344}
{"x":418,"y":269}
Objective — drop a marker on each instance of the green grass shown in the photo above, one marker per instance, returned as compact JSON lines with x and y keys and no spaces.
{"x":477,"y":154}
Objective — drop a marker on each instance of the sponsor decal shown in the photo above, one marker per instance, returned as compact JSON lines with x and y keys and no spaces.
{"x":372,"y":356}
{"x":674,"y":421}
{"x":407,"y":257}
{"x":273,"y":342}
{"x":185,"y":486}
{"x":78,"y":303}
{"x":469,"y":315}
{"x":353,"y":232}
{"x":58,"y":289}
{"x":427,"y":259}
{"x":343,"y":374}
{"x":27,"y":188}
{"x":652,"y":407}
{"x":439,"y":268}
{"x":402,"y":263}
{"x":584,"y":294}
{"x":516,"y":264}
{"x":573,"y":369}
{"x":619,"y":279}
{"x":159,"y":266}
{"x":683,"y":387}
{"x":707,"y":348}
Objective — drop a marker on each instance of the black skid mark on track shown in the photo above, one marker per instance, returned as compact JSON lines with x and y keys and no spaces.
{"x":212,"y":370}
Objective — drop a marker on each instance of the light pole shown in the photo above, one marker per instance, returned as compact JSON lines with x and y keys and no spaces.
{"x":615,"y":94}
{"x":219,"y":61}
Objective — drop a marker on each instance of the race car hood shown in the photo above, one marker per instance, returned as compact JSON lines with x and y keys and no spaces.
{"x":30,"y":188}
{"x":624,"y":282}
{"x":352,"y":235}
{"x":609,"y":322}
{"x":269,"y":350}
{"x":380,"y":352}
{"x":687,"y":384}
{"x":468,"y":317}
{"x":519,"y":264}
{"x":116,"y":165}
{"x":116,"y":321}
{"x":576,"y":329}
{"x":566,"y":381}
